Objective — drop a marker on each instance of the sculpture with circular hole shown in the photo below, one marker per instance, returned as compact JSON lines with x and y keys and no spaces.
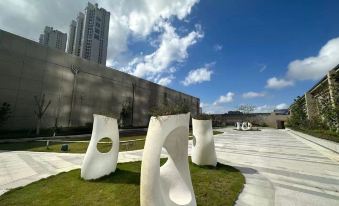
{"x":95,"y":163}
{"x":246,"y":126}
{"x":203,"y":150}
{"x":170,"y":184}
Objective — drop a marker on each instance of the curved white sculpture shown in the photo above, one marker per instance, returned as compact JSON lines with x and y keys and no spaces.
{"x":97,"y":164}
{"x":238,"y":126}
{"x":170,"y":184}
{"x":203,"y":150}
{"x":246,"y":126}
{"x":249,"y":125}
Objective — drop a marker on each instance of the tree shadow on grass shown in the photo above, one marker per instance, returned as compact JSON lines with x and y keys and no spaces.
{"x":120,"y":176}
{"x":219,"y":166}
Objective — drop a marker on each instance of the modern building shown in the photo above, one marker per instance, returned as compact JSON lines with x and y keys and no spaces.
{"x":71,"y":37}
{"x":88,"y":37}
{"x":53,"y":38}
{"x":76,"y":87}
{"x":78,"y":34}
{"x":324,"y":89}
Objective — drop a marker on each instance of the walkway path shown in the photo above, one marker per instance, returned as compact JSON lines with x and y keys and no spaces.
{"x":280,"y":168}
{"x":19,"y":168}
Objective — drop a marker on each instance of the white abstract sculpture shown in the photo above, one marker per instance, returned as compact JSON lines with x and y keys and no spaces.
{"x":246,"y":126}
{"x":203,"y":150}
{"x":249,"y":125}
{"x":238,"y":126}
{"x":97,"y":164}
{"x":170,"y":184}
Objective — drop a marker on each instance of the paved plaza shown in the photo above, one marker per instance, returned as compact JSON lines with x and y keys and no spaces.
{"x":280,"y":168}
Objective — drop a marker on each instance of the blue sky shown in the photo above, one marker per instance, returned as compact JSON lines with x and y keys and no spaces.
{"x":227,"y":53}
{"x":259,"y":39}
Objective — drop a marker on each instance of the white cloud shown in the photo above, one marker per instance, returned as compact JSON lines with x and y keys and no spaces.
{"x":214,"y":109}
{"x":264,"y":109}
{"x":282,"y":106}
{"x":217,"y":47}
{"x":172,"y":49}
{"x":262,"y":68}
{"x":310,"y":68}
{"x":224,"y":99}
{"x":313,"y":68}
{"x":197,"y":76}
{"x":165,"y":81}
{"x":269,"y":108}
{"x":249,"y":95}
{"x":129,"y":20}
{"x":275,"y":83}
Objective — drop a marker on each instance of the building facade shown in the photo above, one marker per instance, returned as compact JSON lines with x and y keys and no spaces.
{"x":324,"y":90}
{"x":71,"y":37}
{"x":76,"y":87}
{"x":90,"y":37}
{"x":53,"y":39}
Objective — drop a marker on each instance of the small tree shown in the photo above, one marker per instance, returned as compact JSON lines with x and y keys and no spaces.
{"x":5,"y":111}
{"x":180,"y":107}
{"x":125,"y":119}
{"x":246,"y":109}
{"x":298,"y":118}
{"x":40,"y":110}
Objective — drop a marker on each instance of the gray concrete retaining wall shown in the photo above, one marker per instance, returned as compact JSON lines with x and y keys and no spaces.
{"x":28,"y":69}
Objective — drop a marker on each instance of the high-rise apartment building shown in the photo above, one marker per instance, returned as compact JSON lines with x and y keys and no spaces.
{"x":71,"y":37}
{"x":53,"y":38}
{"x":78,"y":34}
{"x":89,"y":38}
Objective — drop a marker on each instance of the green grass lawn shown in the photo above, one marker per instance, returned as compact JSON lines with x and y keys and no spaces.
{"x":212,"y":186}
{"x":76,"y":147}
{"x":322,"y":134}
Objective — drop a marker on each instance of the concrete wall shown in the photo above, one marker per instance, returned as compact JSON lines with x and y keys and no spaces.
{"x":28,"y":69}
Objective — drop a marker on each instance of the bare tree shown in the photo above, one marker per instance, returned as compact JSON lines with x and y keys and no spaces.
{"x":246,"y":109}
{"x":5,"y":111}
{"x":40,"y":111}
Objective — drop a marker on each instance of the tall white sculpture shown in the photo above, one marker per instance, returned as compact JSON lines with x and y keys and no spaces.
{"x":238,"y":126}
{"x":203,"y":150}
{"x":97,"y":164}
{"x":249,"y":125}
{"x":170,"y":184}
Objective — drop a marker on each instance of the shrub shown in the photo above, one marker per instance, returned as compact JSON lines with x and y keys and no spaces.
{"x":5,"y":111}
{"x":170,"y":109}
{"x":202,"y":117}
{"x":298,"y":116}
